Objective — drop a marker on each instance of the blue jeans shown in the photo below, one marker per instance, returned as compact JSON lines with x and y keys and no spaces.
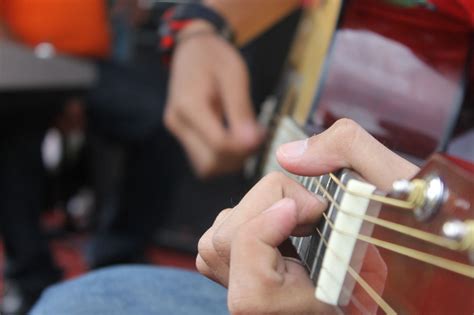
{"x":134,"y":290}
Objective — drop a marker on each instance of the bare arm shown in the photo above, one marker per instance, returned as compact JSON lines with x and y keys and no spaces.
{"x":215,"y":79}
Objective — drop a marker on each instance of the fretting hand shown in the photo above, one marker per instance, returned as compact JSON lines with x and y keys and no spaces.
{"x":240,"y":249}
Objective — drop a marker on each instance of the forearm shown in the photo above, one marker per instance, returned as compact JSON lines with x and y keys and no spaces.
{"x":249,"y":18}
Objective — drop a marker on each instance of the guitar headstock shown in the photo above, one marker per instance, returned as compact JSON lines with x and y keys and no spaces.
{"x":400,"y":253}
{"x":444,"y":188}
{"x":429,"y":253}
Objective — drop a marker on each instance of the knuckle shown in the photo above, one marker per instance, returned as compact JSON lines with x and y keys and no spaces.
{"x":221,"y":243}
{"x":202,"y":267}
{"x":346,"y":126}
{"x":347,"y":131}
{"x":222,"y":215}
{"x":206,"y":248}
{"x":273,"y":178}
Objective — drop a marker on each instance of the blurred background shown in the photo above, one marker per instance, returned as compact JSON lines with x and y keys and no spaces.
{"x":89,"y":176}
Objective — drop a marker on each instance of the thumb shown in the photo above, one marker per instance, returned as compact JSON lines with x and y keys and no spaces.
{"x":259,"y":238}
{"x":345,"y":145}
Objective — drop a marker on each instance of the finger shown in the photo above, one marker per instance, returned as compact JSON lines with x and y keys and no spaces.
{"x":345,"y":144}
{"x":207,"y":124}
{"x":205,"y":270}
{"x":210,"y":263}
{"x":206,"y":160}
{"x":258,"y":284}
{"x":198,"y":152}
{"x":209,"y":127}
{"x":265,"y":193}
{"x":235,"y":95}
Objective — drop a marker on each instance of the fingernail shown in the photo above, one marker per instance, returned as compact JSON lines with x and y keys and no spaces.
{"x":294,"y":149}
{"x":285,"y":202}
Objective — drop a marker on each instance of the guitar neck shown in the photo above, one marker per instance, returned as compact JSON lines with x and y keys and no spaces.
{"x":311,"y":249}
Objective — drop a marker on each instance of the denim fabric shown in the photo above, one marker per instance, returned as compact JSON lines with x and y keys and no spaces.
{"x":134,"y":290}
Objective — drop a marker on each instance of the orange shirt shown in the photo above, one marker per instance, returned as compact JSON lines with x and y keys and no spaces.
{"x":78,"y":27}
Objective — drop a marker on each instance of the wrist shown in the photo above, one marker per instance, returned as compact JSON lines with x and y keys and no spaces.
{"x":187,"y":20}
{"x":193,"y":28}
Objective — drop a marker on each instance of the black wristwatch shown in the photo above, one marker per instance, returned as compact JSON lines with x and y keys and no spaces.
{"x":177,"y":17}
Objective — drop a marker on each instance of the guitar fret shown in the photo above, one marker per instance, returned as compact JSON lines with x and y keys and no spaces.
{"x":310,"y":249}
{"x":315,"y":264}
{"x":313,"y":240}
{"x":309,"y":252}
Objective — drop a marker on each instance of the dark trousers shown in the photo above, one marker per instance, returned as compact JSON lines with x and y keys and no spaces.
{"x":23,"y":122}
{"x":134,"y":96}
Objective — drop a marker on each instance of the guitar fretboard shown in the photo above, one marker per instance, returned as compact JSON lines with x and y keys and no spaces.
{"x":328,"y":252}
{"x":310,"y":249}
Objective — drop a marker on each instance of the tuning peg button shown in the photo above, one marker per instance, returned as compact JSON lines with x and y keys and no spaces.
{"x":455,"y":230}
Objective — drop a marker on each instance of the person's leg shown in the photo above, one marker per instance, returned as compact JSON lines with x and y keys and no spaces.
{"x":137,"y":290}
{"x":29,"y":266}
{"x":129,"y":120}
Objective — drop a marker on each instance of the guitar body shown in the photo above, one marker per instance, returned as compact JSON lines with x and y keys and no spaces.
{"x":416,"y":287}
{"x":400,"y":73}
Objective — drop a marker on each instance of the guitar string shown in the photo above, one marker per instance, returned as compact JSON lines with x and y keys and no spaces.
{"x":440,"y":262}
{"x":346,"y":292}
{"x":402,"y":229}
{"x":403,"y":204}
{"x":453,"y":266}
{"x":367,"y":288}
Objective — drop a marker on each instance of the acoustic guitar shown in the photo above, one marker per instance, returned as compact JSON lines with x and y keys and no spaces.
{"x":399,"y":72}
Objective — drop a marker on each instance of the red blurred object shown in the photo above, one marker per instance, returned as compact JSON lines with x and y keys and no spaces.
{"x":466,"y":165}
{"x":398,"y":72}
{"x":77,"y":27}
{"x":460,"y":9}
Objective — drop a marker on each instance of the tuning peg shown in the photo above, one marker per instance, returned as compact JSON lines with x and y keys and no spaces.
{"x":402,"y":187}
{"x":455,"y":229}
{"x":426,"y":194}
{"x":462,"y":231}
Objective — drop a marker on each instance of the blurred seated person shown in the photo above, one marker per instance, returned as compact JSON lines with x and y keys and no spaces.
{"x":129,"y":122}
{"x":128,"y":119}
{"x":240,"y":252}
{"x":78,"y":28}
